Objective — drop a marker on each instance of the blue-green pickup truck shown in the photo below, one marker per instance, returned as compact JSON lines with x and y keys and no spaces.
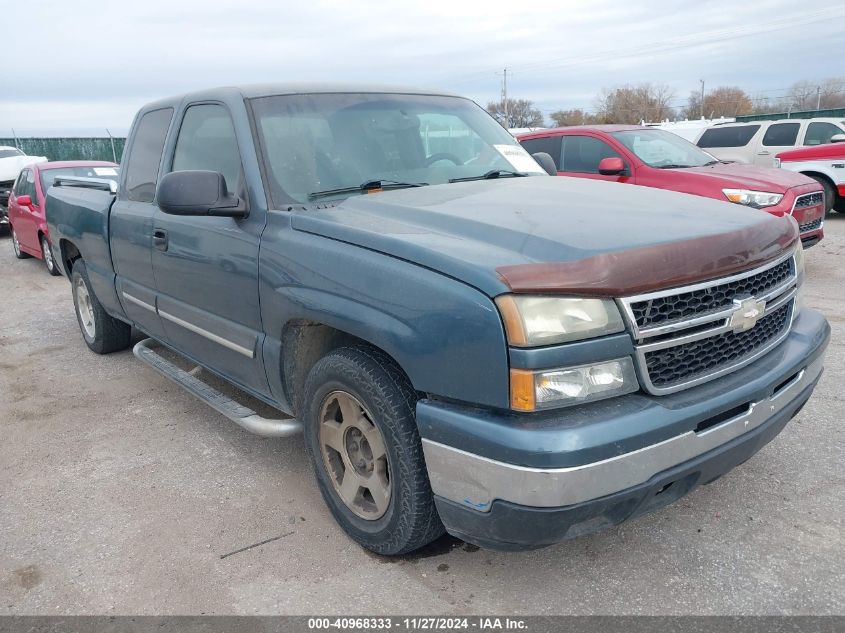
{"x":467,"y":344}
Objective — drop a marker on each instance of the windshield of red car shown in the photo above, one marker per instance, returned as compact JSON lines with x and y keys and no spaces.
{"x":661,"y":149}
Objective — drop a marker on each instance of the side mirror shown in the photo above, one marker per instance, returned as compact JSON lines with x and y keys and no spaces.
{"x":611,"y":166}
{"x":837,"y":138}
{"x":198,"y":193}
{"x":546,"y":162}
{"x":24,"y":201}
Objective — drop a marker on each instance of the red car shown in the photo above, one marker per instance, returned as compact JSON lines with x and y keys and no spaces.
{"x":656,"y":158}
{"x":27,"y":222}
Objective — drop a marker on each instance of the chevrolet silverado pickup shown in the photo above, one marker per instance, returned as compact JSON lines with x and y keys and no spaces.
{"x":466,"y":343}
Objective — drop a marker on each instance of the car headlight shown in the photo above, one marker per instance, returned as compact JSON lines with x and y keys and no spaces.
{"x":756,"y":199}
{"x":536,"y":390}
{"x":534,"y":320}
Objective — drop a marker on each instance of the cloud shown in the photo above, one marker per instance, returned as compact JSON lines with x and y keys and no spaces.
{"x":93,"y":63}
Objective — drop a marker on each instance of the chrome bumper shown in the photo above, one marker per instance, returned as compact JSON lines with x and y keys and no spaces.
{"x":475,"y":481}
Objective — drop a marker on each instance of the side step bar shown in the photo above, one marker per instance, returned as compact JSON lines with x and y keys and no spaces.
{"x":237,"y":413}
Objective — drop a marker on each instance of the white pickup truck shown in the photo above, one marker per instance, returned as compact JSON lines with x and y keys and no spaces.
{"x":825,"y":163}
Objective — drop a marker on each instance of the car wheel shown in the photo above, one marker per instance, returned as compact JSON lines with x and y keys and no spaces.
{"x":829,"y":193}
{"x":16,"y":245}
{"x":362,"y":439}
{"x":102,"y":332}
{"x":47,"y":256}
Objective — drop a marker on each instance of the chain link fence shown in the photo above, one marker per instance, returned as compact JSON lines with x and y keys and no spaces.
{"x":70,"y":148}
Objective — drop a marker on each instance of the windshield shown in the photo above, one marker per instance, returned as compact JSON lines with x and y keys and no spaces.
{"x":8,"y":153}
{"x":658,"y":148}
{"x":48,"y":176}
{"x":319,"y":143}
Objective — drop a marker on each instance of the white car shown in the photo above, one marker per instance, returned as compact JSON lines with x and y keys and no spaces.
{"x":758,"y":142}
{"x":12,"y":160}
{"x":826,"y":164}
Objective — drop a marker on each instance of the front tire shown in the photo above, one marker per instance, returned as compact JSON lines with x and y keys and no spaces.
{"x":102,"y":333}
{"x":47,"y":256}
{"x":16,"y":245}
{"x":361,"y":436}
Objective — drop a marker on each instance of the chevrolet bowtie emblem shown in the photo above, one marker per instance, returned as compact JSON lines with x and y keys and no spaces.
{"x":746,"y":314}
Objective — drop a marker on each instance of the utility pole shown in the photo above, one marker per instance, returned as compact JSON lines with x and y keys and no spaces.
{"x":818,"y":98}
{"x":505,"y":96}
{"x":702,"y":98}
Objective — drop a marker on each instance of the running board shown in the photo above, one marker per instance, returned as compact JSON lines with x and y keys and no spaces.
{"x":237,"y":413}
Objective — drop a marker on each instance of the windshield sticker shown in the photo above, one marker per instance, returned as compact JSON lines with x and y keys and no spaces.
{"x":519,"y":159}
{"x":105,"y":171}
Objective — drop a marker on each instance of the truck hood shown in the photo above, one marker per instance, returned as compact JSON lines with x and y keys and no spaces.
{"x":737,"y":176}
{"x":10,"y":167}
{"x":566,"y":235}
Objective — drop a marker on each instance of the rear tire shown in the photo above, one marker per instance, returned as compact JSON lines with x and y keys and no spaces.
{"x":829,"y":193}
{"x":102,"y":333}
{"x":360,"y":424}
{"x":16,"y":245}
{"x":47,"y":256}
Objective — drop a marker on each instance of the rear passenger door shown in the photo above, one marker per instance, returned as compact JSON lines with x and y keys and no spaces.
{"x":131,"y":220}
{"x":206,"y":268}
{"x":779,"y":137}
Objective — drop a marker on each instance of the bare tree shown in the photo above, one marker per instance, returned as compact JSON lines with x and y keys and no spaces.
{"x":632,"y":104}
{"x":565,"y":118}
{"x":520,"y":113}
{"x":724,"y":101}
{"x":806,"y":95}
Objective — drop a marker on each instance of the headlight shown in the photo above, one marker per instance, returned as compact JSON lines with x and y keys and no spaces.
{"x":534,"y":390}
{"x":532,"y":320}
{"x":756,"y":199}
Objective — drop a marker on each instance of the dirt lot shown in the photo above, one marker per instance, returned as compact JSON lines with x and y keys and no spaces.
{"x":119,"y":494}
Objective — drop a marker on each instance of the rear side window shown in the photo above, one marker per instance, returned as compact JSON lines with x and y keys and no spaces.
{"x":819,"y":133}
{"x":550,"y":145}
{"x":582,"y":154}
{"x":207,"y":141}
{"x":737,"y":136}
{"x":781,"y":134}
{"x":145,"y":155}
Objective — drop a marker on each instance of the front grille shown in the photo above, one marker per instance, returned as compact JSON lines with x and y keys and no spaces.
{"x":810,"y":226}
{"x":809,"y":200}
{"x":5,"y":190}
{"x":684,"y":363}
{"x":684,"y":305}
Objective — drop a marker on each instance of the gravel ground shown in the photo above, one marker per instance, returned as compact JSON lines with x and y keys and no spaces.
{"x":121,"y":494}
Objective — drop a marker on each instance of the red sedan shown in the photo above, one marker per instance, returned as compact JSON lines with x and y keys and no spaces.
{"x":27,"y":221}
{"x":656,"y":158}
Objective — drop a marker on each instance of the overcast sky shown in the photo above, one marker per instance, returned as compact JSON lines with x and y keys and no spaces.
{"x":85,"y":66}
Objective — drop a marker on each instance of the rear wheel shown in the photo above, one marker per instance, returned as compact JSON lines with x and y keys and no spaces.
{"x":361,"y":436}
{"x":102,"y":332}
{"x":16,"y":245}
{"x":829,"y":193}
{"x":47,"y":256}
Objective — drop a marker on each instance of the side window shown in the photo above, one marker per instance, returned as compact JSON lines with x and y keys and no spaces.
{"x":583,"y":154}
{"x":780,"y":134}
{"x":735,"y":136}
{"x":207,"y":141}
{"x":819,"y":133}
{"x":549,"y":144}
{"x":29,"y":186}
{"x":20,"y":183}
{"x":145,"y":155}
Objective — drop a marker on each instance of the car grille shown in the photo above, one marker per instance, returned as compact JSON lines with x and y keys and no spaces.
{"x":5,"y":190}
{"x":707,"y":300}
{"x":810,"y":226}
{"x":682,"y":363}
{"x":808,"y":200}
{"x":687,"y":336}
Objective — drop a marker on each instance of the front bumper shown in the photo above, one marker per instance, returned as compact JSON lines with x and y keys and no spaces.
{"x":599,"y":473}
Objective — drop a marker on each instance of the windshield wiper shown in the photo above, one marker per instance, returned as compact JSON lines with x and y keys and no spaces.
{"x":673,"y":166}
{"x":370,"y":185}
{"x":493,"y":173}
{"x":711,"y":162}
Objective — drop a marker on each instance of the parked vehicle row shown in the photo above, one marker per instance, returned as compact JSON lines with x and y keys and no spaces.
{"x":26,"y":204}
{"x":655,"y":158}
{"x":758,"y":142}
{"x":467,"y":344}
